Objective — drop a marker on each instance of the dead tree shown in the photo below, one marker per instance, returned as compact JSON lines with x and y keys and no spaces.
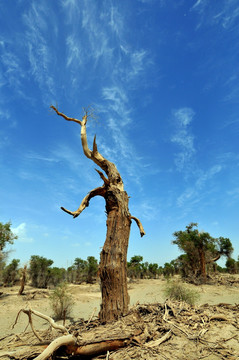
{"x":113,"y":258}
{"x":23,"y":280}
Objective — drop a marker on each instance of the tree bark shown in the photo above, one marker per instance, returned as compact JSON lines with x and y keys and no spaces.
{"x":113,"y":259}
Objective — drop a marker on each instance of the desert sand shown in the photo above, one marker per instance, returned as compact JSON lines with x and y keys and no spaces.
{"x":87,"y":299}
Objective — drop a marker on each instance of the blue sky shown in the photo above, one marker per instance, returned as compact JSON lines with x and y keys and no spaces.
{"x":163,"y":77}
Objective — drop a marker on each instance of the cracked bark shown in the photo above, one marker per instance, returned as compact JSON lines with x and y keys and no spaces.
{"x":113,"y":258}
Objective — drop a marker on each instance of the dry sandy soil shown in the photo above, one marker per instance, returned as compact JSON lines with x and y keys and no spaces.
{"x":87,"y":299}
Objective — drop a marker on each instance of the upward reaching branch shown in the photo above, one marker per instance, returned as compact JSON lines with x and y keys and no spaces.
{"x":93,"y":155}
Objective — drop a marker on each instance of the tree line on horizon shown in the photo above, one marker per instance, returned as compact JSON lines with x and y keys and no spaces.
{"x":200,"y":252}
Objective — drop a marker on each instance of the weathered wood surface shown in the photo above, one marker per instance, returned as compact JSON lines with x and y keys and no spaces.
{"x":157,"y":331}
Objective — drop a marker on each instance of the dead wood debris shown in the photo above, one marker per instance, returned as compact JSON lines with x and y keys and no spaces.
{"x":172,"y":330}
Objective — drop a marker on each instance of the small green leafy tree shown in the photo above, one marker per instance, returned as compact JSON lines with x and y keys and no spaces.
{"x":10,"y":273}
{"x":201,"y":249}
{"x":61,"y":301}
{"x":6,"y":237}
{"x":39,"y":271}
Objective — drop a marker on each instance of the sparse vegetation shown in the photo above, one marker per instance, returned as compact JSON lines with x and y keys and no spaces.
{"x":40,"y":271}
{"x":10,"y":273}
{"x":178,"y":291}
{"x":6,"y":237}
{"x":61,"y":301}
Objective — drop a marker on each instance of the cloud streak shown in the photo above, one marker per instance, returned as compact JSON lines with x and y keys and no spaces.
{"x":183,"y":137}
{"x":38,"y":48}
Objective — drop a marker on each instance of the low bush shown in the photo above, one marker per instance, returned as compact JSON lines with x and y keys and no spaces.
{"x":178,"y":291}
{"x":61,"y":302}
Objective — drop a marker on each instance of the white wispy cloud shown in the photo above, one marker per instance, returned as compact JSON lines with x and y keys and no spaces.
{"x":196,"y":192}
{"x":99,"y":40}
{"x":13,"y":71}
{"x":183,"y":137}
{"x":75,"y":53}
{"x":71,"y":10}
{"x":21,"y":232}
{"x":35,"y":156}
{"x":223,"y":13}
{"x":39,"y":50}
{"x":118,"y":105}
{"x":205,"y":176}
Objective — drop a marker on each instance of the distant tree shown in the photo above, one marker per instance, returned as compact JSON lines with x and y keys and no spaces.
{"x":135,"y":267}
{"x":70,"y":274}
{"x":6,"y":237}
{"x":145,"y":270}
{"x":23,"y":280}
{"x":168,"y":270}
{"x":40,"y":271}
{"x":200,"y":249}
{"x":80,"y":267}
{"x":92,"y":269}
{"x":153,"y":270}
{"x":10,"y":273}
{"x":175,"y":265}
{"x":231,"y":266}
{"x":56,"y":276}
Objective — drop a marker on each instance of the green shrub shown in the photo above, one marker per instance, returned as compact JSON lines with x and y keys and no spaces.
{"x":61,"y":302}
{"x":178,"y":291}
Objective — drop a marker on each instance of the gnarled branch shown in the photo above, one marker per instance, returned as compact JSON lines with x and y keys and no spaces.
{"x":65,"y":340}
{"x":64,"y":116}
{"x":29,"y":313}
{"x":93,"y":155}
{"x":100,"y":191}
{"x":214,"y":259}
{"x":140,"y":226}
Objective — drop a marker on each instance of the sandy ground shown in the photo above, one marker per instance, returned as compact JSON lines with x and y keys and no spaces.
{"x":87,"y":299}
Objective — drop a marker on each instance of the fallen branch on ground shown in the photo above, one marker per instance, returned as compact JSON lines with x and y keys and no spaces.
{"x":29,"y":313}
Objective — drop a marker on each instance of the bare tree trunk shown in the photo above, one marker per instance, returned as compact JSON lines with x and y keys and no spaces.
{"x":113,"y":261}
{"x":23,"y":280}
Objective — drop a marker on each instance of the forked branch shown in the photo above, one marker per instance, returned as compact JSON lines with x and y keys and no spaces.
{"x":93,"y":155}
{"x":29,"y":313}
